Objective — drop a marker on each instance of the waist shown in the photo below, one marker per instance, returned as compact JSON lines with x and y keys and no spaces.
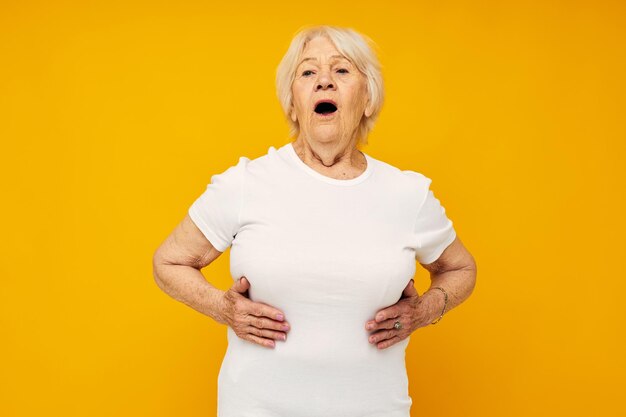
{"x":324,"y":339}
{"x":316,"y":379}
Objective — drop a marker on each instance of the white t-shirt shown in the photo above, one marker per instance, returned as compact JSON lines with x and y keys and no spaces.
{"x":329,"y":253}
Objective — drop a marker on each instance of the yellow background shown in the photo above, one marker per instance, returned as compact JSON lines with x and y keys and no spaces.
{"x":114,"y":116}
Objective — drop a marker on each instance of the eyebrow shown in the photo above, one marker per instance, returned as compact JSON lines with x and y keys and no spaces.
{"x":315,"y":59}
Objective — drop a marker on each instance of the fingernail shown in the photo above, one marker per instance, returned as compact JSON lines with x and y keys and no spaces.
{"x":283,"y":336}
{"x":285,"y":327}
{"x":279,"y":317}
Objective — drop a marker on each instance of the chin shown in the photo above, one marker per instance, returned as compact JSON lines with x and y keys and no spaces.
{"x":326,"y":130}
{"x":325,"y":136}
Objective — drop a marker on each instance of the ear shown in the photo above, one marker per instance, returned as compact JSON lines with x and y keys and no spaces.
{"x":293,"y":115}
{"x":368,"y":109}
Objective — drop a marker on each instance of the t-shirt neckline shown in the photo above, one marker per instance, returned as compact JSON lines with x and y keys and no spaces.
{"x":353,"y":181}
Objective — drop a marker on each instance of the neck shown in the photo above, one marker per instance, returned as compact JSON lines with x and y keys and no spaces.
{"x":334,"y":158}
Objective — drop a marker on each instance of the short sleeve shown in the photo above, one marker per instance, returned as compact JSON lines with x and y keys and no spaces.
{"x":433,"y":230}
{"x":216,"y":210}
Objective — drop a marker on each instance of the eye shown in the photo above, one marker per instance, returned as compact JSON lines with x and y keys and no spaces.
{"x":343,"y":69}
{"x":305,"y":73}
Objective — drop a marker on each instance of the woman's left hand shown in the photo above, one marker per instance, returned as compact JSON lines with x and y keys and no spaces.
{"x":408,"y":311}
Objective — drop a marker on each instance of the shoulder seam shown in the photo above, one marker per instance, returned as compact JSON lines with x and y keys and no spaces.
{"x":421,"y":206}
{"x":242,"y":191}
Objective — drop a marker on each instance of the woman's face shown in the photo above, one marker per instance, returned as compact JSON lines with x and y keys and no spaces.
{"x":324,"y":74}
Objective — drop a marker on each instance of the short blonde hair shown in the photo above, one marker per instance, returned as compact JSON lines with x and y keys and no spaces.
{"x":356,"y":47}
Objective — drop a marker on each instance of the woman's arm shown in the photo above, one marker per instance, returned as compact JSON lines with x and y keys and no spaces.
{"x":177,"y":264}
{"x":176,"y":269}
{"x":455,"y":271}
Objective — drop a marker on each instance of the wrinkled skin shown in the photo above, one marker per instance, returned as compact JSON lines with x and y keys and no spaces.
{"x":323,"y":73}
{"x":325,"y":143}
{"x":252,"y":321}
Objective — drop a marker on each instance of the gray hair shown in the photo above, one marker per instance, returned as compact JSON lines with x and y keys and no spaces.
{"x":356,"y":47}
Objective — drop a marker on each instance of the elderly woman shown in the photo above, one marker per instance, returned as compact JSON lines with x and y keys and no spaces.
{"x":324,"y":241}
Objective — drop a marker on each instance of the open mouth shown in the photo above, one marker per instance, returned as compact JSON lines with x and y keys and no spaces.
{"x":325,"y":107}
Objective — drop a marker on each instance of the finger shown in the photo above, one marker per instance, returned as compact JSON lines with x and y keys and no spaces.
{"x":410,"y":290}
{"x":388,"y":324}
{"x":387,"y":313}
{"x":260,"y":341}
{"x":386,"y":343}
{"x":241,"y":285}
{"x":264,"y":310}
{"x":373,"y":325}
{"x":265,"y":323}
{"x":381,"y":335}
{"x":269,"y":334}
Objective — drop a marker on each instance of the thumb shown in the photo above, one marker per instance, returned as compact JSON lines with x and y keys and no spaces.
{"x":410,"y":290}
{"x":242,"y":285}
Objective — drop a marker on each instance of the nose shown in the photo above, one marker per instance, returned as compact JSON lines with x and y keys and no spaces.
{"x":324,"y":81}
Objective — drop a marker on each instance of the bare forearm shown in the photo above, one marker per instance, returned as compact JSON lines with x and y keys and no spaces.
{"x":187,"y":285}
{"x":458,"y":284}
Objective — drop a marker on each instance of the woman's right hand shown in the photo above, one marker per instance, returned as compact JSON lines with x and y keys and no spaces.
{"x":256,"y":322}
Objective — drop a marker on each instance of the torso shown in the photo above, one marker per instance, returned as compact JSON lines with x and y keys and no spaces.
{"x":330,"y":254}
